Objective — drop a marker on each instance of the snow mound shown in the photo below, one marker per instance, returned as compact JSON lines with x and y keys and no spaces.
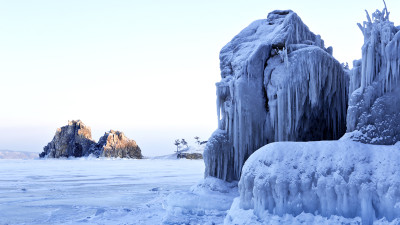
{"x":374,"y":105}
{"x":279,"y":83}
{"x":206,"y":203}
{"x":326,"y":178}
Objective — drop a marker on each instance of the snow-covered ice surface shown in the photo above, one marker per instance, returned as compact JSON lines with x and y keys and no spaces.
{"x":319,"y":182}
{"x":92,"y":191}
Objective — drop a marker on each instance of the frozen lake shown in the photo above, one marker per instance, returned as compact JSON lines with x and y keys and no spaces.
{"x":83,"y":191}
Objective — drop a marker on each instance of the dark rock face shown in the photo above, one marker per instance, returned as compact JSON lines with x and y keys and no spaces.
{"x":75,"y":140}
{"x":194,"y":156}
{"x":116,"y":144}
{"x":190,"y":156}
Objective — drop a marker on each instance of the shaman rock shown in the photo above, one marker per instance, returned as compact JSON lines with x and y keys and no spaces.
{"x":116,"y":144}
{"x":75,"y":139}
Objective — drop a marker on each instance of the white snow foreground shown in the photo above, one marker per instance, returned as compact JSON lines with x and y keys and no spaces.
{"x":374,"y":105}
{"x":206,"y":203}
{"x":279,"y":83}
{"x":326,"y":182}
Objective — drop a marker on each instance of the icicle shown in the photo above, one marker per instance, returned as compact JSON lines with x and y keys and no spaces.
{"x":379,"y":70}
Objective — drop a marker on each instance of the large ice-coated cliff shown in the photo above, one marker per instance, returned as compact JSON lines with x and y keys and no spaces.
{"x":374,"y":105}
{"x":332,"y":181}
{"x":279,"y":83}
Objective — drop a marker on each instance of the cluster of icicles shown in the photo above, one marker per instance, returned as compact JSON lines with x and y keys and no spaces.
{"x":290,"y":92}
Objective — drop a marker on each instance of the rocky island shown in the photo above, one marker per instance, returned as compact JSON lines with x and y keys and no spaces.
{"x":116,"y":144}
{"x":75,"y":139}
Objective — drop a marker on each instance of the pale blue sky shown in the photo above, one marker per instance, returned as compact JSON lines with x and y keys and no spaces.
{"x":147,"y":68}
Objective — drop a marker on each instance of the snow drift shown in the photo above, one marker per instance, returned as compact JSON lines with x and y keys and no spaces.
{"x":374,"y":106}
{"x":279,"y":83}
{"x":342,"y":178}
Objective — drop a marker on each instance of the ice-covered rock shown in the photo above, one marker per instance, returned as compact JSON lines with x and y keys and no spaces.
{"x":75,"y":139}
{"x":115,"y":144}
{"x":342,"y":178}
{"x":374,"y":105}
{"x":279,"y":83}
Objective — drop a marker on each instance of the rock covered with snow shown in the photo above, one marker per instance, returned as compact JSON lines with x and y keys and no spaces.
{"x":188,"y":152}
{"x":74,"y":139}
{"x":115,"y":144}
{"x":279,"y":83}
{"x":374,"y":105}
{"x":342,"y":178}
{"x":192,"y":152}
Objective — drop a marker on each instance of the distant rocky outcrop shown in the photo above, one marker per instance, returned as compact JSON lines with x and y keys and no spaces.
{"x":8,"y":154}
{"x":116,"y":144}
{"x":75,"y":140}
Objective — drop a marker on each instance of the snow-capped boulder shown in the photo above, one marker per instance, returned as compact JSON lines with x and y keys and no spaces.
{"x":75,"y":139}
{"x":374,"y":105}
{"x":342,"y":178}
{"x":279,"y":83}
{"x":115,"y":144}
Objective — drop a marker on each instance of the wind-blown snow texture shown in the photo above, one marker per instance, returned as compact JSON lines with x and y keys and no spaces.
{"x":279,"y":83}
{"x":374,"y":106}
{"x":206,"y":203}
{"x":342,"y":178}
{"x":93,"y":191}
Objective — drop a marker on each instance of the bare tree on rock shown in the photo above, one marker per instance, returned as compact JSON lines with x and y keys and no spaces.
{"x":177,"y":143}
